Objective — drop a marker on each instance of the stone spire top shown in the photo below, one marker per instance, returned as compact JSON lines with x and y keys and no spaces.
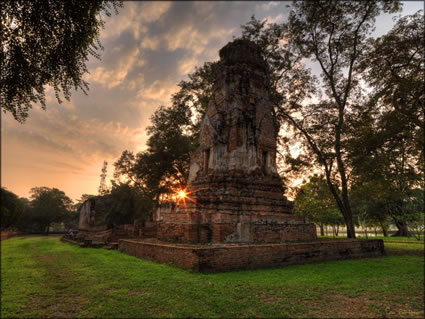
{"x":242,"y":51}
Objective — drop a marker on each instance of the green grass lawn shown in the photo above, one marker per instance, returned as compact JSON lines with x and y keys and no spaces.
{"x":388,"y":238}
{"x":411,"y":248}
{"x":43,"y":277}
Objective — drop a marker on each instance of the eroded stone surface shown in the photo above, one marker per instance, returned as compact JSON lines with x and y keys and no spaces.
{"x":89,"y":220}
{"x":237,"y":192}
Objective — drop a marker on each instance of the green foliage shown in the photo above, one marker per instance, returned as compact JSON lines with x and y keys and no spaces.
{"x":377,"y":202}
{"x":314,"y":201}
{"x":415,"y":217}
{"x":11,"y":207}
{"x":82,"y":199}
{"x":369,"y":204}
{"x":334,"y":34}
{"x":165,"y":164}
{"x":193,"y":97}
{"x":48,"y":205}
{"x":102,"y":283}
{"x":124,"y":204}
{"x":395,"y":70}
{"x":325,"y":113}
{"x":47,"y":42}
{"x":387,"y":153}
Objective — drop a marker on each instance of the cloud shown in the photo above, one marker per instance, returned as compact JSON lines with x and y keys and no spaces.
{"x":150,"y":43}
{"x":152,"y":11}
{"x":134,"y":17}
{"x":149,"y":49}
{"x":276,"y":19}
{"x":270,"y":5}
{"x":159,"y":91}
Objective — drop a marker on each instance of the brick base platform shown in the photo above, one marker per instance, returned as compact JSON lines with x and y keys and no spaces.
{"x":214,"y":258}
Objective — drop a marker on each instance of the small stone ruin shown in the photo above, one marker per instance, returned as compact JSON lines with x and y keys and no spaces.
{"x":93,"y":230}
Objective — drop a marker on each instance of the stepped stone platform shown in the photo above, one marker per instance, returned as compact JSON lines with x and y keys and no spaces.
{"x":225,"y":257}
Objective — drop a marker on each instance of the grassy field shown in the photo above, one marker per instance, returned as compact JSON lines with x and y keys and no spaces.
{"x":388,"y":238}
{"x":43,"y":277}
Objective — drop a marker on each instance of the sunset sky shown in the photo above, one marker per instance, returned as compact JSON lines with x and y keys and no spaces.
{"x":149,"y":48}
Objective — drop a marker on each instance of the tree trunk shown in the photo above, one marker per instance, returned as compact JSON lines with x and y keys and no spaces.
{"x":402,"y":229}
{"x":365,"y":232}
{"x":337,"y":230}
{"x":322,"y":231}
{"x":348,"y":216}
{"x":384,"y":229}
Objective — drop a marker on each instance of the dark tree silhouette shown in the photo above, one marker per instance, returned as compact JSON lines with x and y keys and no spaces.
{"x":47,"y":42}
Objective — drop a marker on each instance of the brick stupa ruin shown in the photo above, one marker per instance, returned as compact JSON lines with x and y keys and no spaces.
{"x":236,"y":190}
{"x":239,"y":218}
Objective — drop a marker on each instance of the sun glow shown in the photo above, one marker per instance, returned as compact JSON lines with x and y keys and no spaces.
{"x":182,"y":194}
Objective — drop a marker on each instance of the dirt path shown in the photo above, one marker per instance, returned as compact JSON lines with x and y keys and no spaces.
{"x":58,"y":301}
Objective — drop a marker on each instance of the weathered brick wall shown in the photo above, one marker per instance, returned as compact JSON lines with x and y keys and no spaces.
{"x":162,"y":253}
{"x":220,"y":233}
{"x":288,"y":232}
{"x":233,"y":209}
{"x":230,"y":257}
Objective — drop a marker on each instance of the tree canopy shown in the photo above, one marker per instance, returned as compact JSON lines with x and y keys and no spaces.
{"x":164,"y":166}
{"x":47,"y":42}
{"x":48,"y":205}
{"x":11,"y":209}
{"x":314,"y":201}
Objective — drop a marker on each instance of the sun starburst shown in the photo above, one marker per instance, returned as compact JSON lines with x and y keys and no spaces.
{"x":182,"y":194}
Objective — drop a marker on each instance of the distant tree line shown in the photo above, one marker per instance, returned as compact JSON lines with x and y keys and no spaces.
{"x":121,"y":204}
{"x":45,"y":207}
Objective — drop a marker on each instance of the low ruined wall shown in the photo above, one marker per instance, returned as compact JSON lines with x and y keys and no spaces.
{"x":234,"y":232}
{"x":162,"y":253}
{"x":6,"y":234}
{"x":231,"y":257}
{"x":279,"y":233}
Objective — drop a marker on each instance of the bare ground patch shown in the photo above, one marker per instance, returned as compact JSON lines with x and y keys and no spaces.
{"x":56,"y":302}
{"x":47,"y":259}
{"x":137,"y":293}
{"x":376,"y":306}
{"x":52,"y":306}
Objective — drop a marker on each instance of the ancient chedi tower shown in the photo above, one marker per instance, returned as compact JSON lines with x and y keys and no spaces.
{"x":236,"y":191}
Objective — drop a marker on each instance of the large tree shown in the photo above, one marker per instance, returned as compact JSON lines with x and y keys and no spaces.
{"x":127,"y":203}
{"x":164,"y":166}
{"x":332,"y":34}
{"x":387,"y":150}
{"x":395,"y":69}
{"x":11,"y":209}
{"x":48,"y":205}
{"x":47,"y":42}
